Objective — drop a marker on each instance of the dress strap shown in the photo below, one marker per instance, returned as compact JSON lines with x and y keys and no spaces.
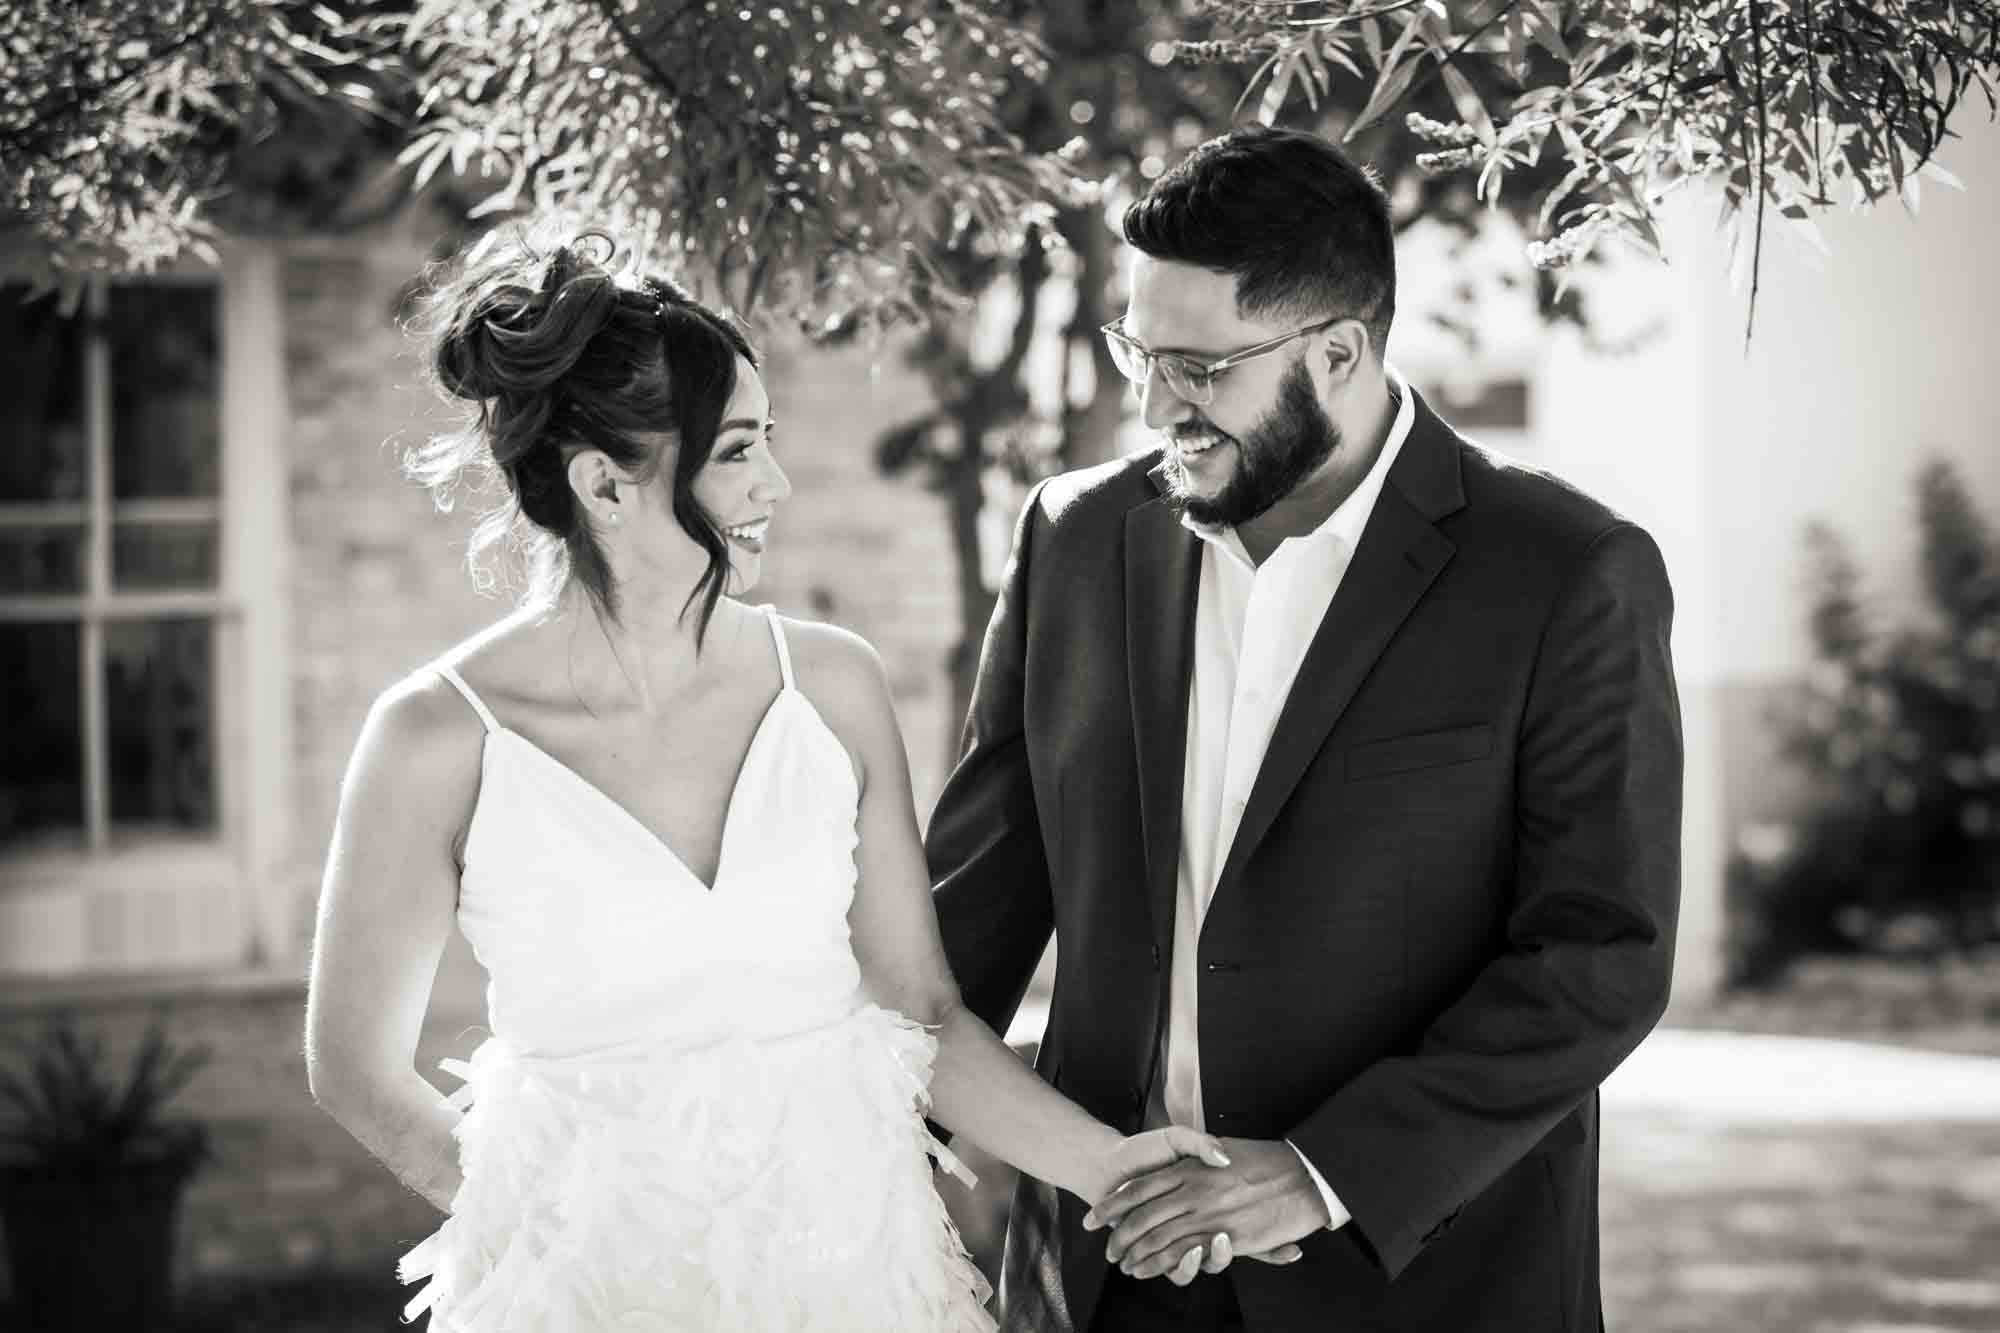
{"x":778,"y":637}
{"x":486,"y":717}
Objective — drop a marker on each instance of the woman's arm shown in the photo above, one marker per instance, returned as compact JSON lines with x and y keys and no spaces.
{"x":979,"y":1088}
{"x":385,"y":912}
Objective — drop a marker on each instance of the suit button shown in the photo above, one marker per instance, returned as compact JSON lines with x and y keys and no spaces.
{"x":1156,"y":957}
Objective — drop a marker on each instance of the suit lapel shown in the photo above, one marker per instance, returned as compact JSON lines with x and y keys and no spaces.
{"x":1162,"y":577}
{"x":1399,"y":556}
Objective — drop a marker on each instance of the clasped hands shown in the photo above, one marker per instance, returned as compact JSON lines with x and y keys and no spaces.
{"x":1186,"y":1203}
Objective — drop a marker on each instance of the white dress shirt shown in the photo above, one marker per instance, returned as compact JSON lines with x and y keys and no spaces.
{"x":1253,"y":624}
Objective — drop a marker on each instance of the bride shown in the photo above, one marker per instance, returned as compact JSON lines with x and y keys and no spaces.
{"x":678,"y":832}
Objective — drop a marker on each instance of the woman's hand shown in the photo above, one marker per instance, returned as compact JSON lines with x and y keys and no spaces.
{"x":1140,"y":1154}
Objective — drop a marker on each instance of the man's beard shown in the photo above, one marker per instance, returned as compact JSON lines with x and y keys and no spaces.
{"x":1285,"y":447}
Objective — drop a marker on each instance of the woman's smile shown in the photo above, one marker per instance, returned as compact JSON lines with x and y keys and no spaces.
{"x":750,"y":535}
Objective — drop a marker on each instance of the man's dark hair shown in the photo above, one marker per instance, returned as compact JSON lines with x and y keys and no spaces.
{"x":1304,"y":230}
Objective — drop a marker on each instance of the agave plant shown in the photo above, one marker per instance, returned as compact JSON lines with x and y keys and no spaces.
{"x":64,"y":1114}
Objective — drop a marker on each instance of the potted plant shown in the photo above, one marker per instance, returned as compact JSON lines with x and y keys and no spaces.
{"x":91,"y":1174}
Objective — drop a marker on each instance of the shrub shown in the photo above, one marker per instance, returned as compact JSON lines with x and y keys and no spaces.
{"x":1898,"y":732}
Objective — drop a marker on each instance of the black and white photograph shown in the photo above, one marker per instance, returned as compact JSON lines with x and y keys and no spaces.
{"x":959,"y":666}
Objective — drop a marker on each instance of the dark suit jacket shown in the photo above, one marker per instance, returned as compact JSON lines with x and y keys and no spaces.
{"x":1448,"y":912}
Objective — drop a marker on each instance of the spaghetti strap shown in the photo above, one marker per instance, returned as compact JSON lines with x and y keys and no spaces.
{"x":486,"y":717}
{"x":778,"y":636}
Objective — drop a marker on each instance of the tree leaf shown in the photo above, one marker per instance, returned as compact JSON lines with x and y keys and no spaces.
{"x":1389,"y":90}
{"x":1547,"y":32}
{"x":1371,"y":39}
{"x":1319,"y":79}
{"x":1334,"y":47}
{"x":1470,"y":109}
{"x":1397,"y":74}
{"x":1275,"y":91}
{"x":1563,"y":189}
{"x":1809,"y":231}
{"x":1516,"y":28}
{"x":1489,"y":175}
{"x":1940,"y":175}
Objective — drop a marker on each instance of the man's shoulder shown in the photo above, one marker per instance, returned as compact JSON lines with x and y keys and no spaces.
{"x":1088,"y":496}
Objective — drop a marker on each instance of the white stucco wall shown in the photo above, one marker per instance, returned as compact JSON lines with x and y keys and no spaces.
{"x":1864,"y":363}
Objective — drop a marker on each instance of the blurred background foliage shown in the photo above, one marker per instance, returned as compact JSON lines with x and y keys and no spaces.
{"x":1897,"y":730}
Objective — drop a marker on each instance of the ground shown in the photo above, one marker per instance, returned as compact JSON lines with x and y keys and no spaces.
{"x":1708,"y":1226}
{"x":1860,"y":1228}
{"x":1785,"y":1183}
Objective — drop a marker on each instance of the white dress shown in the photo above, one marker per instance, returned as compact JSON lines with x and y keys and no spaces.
{"x":688,"y":1116}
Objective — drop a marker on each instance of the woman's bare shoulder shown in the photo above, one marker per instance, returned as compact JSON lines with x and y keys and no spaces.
{"x":836,"y":662}
{"x":846,"y":680}
{"x":421,"y":728}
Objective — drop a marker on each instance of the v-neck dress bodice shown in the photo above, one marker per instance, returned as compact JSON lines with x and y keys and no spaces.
{"x":688,"y":1115}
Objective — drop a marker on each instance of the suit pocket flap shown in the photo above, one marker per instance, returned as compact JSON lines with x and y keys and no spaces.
{"x":1425,"y":750}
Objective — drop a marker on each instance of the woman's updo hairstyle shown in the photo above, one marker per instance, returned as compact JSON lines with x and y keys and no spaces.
{"x":559,"y":352}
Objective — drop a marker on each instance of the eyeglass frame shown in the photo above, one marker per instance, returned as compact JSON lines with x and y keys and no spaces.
{"x":1209,"y":370}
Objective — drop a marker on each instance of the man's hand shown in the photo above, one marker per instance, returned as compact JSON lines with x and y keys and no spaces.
{"x":1263,"y":1202}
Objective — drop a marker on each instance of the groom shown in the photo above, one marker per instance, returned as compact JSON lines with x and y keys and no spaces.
{"x":1342,"y":758}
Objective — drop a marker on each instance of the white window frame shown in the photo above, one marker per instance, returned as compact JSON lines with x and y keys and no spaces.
{"x":200,"y":901}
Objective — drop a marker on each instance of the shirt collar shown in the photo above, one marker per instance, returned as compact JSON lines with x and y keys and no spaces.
{"x":1350,"y":516}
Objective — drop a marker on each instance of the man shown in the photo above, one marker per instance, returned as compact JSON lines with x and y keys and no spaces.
{"x":1342,"y":758}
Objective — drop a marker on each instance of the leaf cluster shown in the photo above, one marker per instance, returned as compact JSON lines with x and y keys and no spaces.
{"x":1792,"y":105}
{"x":119,"y":122}
{"x":65,"y":1114}
{"x":818,"y":157}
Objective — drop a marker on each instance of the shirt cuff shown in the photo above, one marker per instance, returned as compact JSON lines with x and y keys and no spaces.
{"x":1334,"y":1208}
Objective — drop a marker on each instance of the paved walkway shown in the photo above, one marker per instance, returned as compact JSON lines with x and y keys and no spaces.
{"x":1767,"y":1184}
{"x":1751,"y":1079}
{"x":1802,"y":1186}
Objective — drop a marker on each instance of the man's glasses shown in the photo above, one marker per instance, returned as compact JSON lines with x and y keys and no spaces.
{"x":1190,"y":379}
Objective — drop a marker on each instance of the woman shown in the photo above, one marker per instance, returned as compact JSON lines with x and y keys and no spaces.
{"x":678,"y":833}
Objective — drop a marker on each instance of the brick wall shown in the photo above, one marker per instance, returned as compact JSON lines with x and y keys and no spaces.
{"x":380,"y":575}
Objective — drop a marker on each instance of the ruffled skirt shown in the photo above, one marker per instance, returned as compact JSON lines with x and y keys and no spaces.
{"x":751,"y":1185}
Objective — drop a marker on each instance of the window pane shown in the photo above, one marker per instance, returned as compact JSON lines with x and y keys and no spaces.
{"x":164,"y":555}
{"x":159,"y":702}
{"x":166,"y":390}
{"x":41,"y":764}
{"x":41,"y":412}
{"x":41,"y":559}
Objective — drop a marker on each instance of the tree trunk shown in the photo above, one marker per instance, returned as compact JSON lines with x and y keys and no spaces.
{"x":994,"y":399}
{"x":1090,"y":433}
{"x":975,"y":600}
